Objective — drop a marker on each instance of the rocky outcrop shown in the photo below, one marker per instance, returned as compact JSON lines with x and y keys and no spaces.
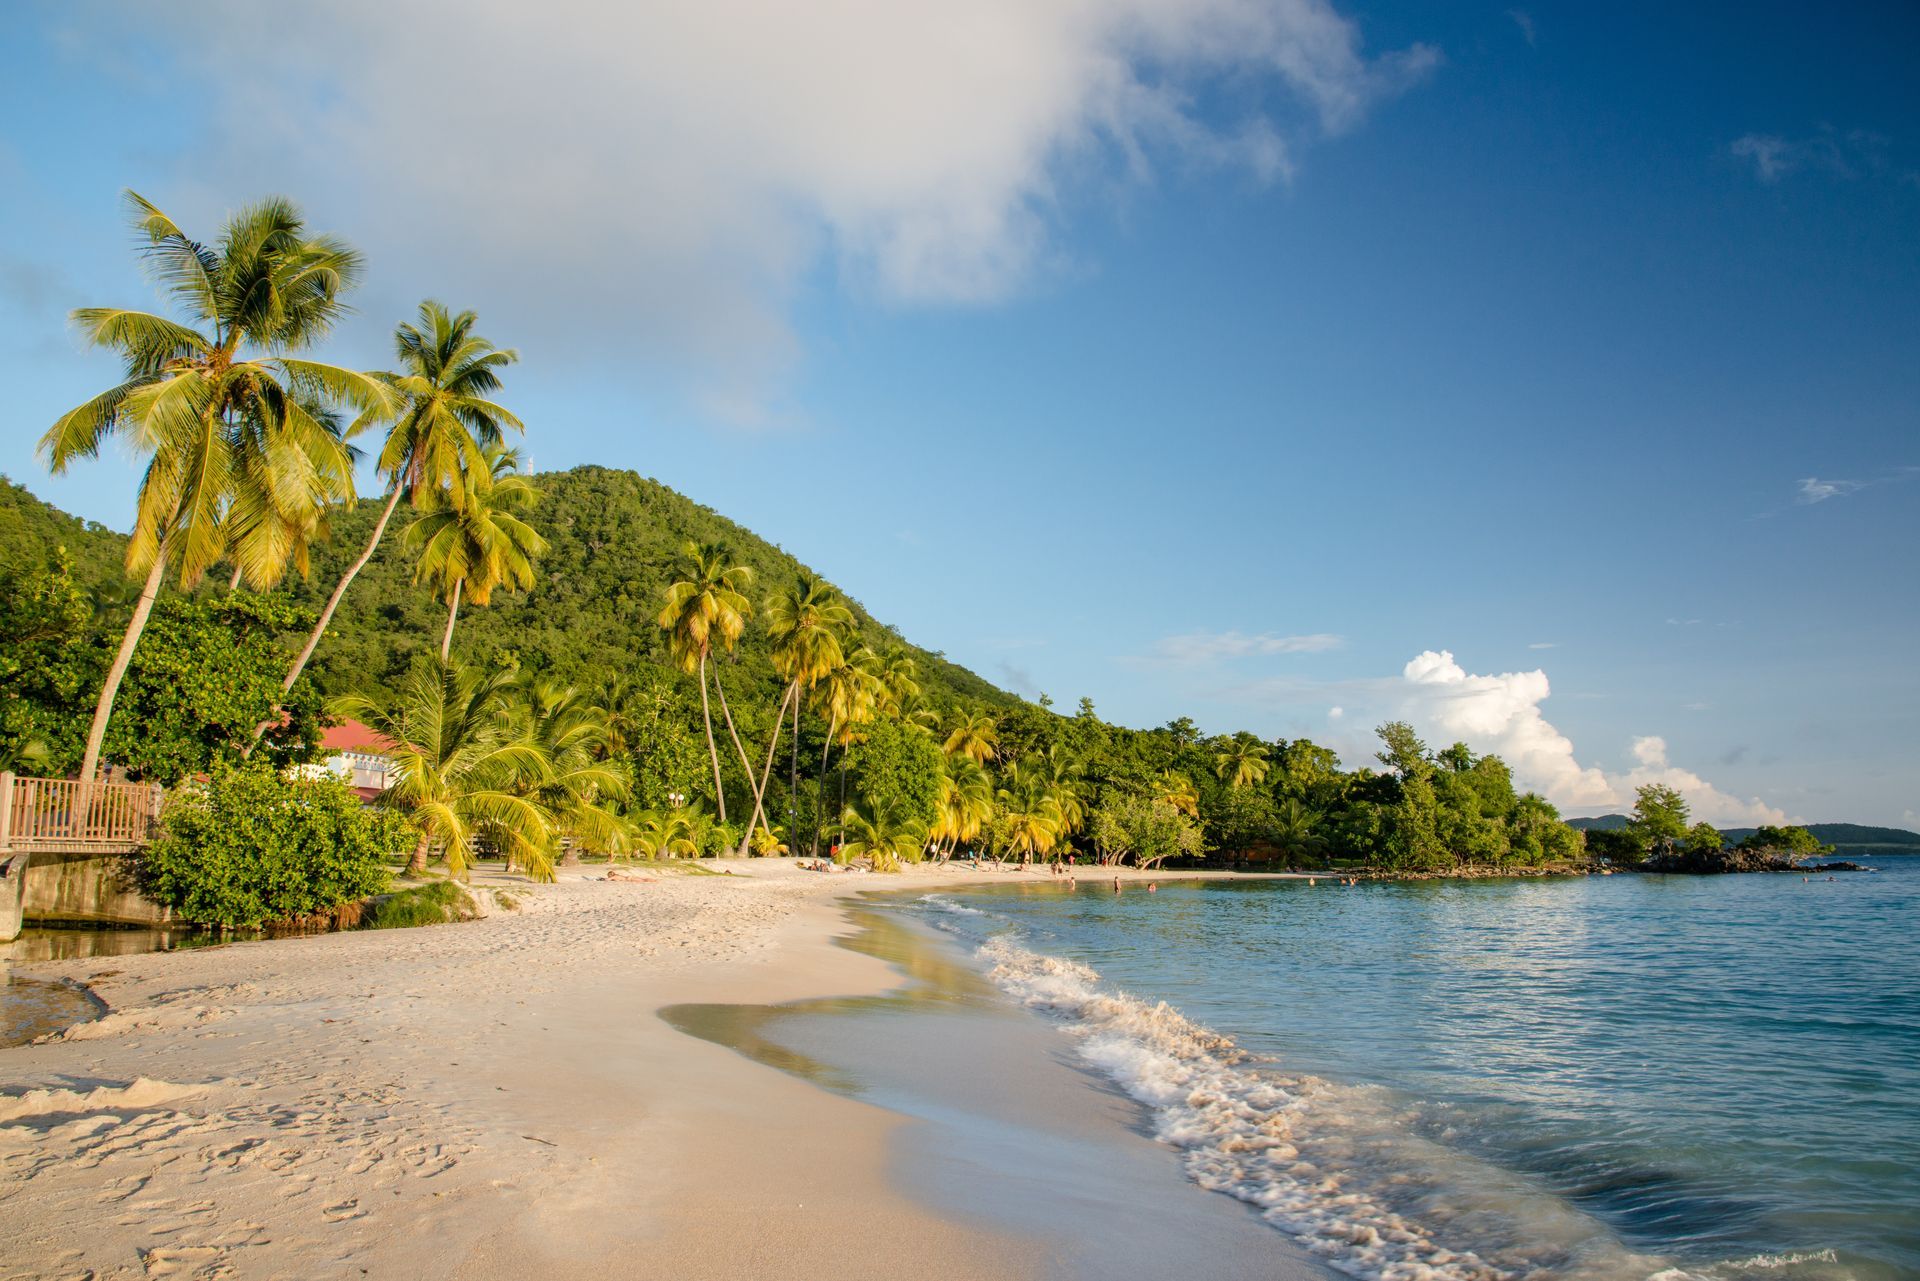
{"x":1766,"y":858}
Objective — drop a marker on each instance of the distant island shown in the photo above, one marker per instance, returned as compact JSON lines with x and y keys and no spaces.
{"x":1855,"y":840}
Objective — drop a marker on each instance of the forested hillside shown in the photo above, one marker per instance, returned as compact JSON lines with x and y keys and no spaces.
{"x":613,"y":540}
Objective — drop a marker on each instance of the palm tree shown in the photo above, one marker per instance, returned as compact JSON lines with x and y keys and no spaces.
{"x":463,"y":766}
{"x":899,"y":684}
{"x":1293,"y":830}
{"x":975,"y":736}
{"x":478,"y":544}
{"x":1064,"y":785}
{"x":448,"y":422}
{"x":966,"y":802}
{"x":580,"y":785}
{"x":706,"y":606}
{"x":881,"y":835}
{"x":1029,"y":810}
{"x":847,"y":695}
{"x":1242,"y":761}
{"x":1176,"y":789}
{"x":804,"y":623}
{"x":219,"y":398}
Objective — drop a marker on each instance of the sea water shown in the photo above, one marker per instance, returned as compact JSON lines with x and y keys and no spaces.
{"x":1607,"y":1077}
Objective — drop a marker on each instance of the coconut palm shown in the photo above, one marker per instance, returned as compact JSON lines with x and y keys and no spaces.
{"x":1176,"y":789}
{"x":1029,"y":812}
{"x":847,"y":695}
{"x":464,"y":766}
{"x":706,"y":607}
{"x":447,"y":375}
{"x":881,"y":835}
{"x":580,"y":785}
{"x":804,"y":624}
{"x":966,"y":802}
{"x":1242,"y":761}
{"x":899,"y":684}
{"x":1293,"y":832}
{"x":1065,"y":786}
{"x":976,"y":735}
{"x":657,"y":835}
{"x":770,"y":842}
{"x":479,"y":543}
{"x":220,"y":399}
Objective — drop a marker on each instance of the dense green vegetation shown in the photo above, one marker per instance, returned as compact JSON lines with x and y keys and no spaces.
{"x":253,"y":846}
{"x":1855,"y":840}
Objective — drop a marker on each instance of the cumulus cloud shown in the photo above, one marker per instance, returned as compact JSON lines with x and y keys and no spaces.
{"x":1704,"y":800}
{"x":1501,"y":714}
{"x":1209,"y":647}
{"x":660,"y":179}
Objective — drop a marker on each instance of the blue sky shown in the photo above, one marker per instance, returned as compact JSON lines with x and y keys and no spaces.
{"x":1218,"y":357}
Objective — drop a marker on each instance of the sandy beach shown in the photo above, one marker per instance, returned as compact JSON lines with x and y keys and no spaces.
{"x":499,"y":1098}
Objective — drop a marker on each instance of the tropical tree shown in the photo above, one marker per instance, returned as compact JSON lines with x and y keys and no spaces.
{"x":899,"y":684}
{"x":804,"y":624}
{"x":478,"y":543}
{"x":847,"y":696}
{"x":882,"y":835}
{"x":708,"y":606}
{"x":1030,"y":822}
{"x":975,"y":735}
{"x":220,"y":406}
{"x":1067,"y":789}
{"x":1241,"y":761}
{"x":439,"y":438}
{"x":1293,"y":831}
{"x":464,"y":766}
{"x":580,"y":785}
{"x":1176,"y":789}
{"x":966,"y":802}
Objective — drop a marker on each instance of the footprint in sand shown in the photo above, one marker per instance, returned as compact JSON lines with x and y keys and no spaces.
{"x":185,"y":1260}
{"x":344,"y":1211}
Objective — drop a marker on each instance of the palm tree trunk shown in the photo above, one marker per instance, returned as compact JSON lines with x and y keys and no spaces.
{"x":417,"y":865}
{"x":103,"y":709}
{"x":793,"y":783}
{"x":766,"y":774}
{"x":713,"y":753}
{"x":233,"y":584}
{"x":333,"y":601}
{"x":746,"y":766}
{"x":453,"y":611}
{"x":820,"y":792}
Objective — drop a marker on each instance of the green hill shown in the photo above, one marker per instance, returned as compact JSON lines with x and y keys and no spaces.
{"x":614,"y":541}
{"x":1854,"y":839}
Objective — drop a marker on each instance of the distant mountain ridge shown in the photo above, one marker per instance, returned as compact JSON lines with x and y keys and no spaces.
{"x":1846,"y":838}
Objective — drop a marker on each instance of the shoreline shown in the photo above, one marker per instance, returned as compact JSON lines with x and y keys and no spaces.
{"x":479,"y":1100}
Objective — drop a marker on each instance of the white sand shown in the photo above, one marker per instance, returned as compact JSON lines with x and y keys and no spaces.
{"x":483,"y":1100}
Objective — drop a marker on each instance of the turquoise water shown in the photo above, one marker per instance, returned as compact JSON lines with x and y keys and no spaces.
{"x":1609,"y":1077}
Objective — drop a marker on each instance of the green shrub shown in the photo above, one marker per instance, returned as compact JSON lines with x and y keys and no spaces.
{"x":251,"y":847}
{"x":434,"y":903}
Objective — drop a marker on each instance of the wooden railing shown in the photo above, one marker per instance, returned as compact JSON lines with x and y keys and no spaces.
{"x":48,"y":812}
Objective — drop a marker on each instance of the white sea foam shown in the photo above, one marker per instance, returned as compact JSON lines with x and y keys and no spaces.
{"x":1336,"y":1166}
{"x":948,"y":905}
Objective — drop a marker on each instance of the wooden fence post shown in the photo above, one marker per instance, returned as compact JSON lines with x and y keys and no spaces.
{"x":6,"y":811}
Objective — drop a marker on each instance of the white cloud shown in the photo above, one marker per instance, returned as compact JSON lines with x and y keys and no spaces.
{"x":657,"y":181}
{"x":1524,"y":20}
{"x":1815,"y":490}
{"x":1704,"y":800}
{"x":1501,"y":714}
{"x":1544,"y":645}
{"x":1851,"y":153}
{"x":1209,"y":647}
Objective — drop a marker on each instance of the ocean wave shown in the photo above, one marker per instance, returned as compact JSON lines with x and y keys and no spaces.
{"x":948,"y":905}
{"x":1336,"y":1166}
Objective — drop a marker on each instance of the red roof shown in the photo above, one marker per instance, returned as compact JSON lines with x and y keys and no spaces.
{"x":352,"y":736}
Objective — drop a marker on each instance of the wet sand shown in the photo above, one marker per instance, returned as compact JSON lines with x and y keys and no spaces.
{"x":500,"y":1099}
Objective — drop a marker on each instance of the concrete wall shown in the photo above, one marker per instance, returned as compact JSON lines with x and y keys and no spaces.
{"x":85,"y":887}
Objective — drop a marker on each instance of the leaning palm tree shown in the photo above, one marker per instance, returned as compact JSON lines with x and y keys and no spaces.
{"x":464,"y":768}
{"x":448,"y":373}
{"x":804,"y":623}
{"x":479,"y":544}
{"x":881,"y":835}
{"x":975,"y":735}
{"x":706,"y":607}
{"x":220,"y":398}
{"x":1242,"y":761}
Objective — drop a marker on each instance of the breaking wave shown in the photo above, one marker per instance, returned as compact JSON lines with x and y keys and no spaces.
{"x":1339,"y":1167}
